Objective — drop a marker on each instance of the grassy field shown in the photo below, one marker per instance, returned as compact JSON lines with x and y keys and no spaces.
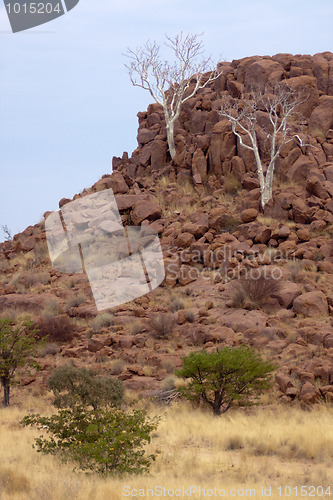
{"x":240,"y":452}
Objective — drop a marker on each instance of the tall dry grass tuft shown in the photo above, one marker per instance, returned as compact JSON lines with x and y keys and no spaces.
{"x":253,"y":293}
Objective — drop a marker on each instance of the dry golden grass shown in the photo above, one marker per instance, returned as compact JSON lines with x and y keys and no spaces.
{"x":180,"y":191}
{"x":275,"y":446}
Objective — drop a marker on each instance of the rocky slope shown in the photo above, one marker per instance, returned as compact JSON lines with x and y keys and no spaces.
{"x":205,"y":206}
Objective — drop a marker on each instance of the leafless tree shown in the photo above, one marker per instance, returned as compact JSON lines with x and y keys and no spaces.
{"x":171,"y":84}
{"x":7,"y":233}
{"x":280,"y":103}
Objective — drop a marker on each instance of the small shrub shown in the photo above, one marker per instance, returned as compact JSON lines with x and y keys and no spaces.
{"x":40,"y":253}
{"x":13,"y":482}
{"x":57,"y":329}
{"x":231,"y":184}
{"x":162,"y":325}
{"x":167,"y":364}
{"x":234,"y":443}
{"x":32,"y":278}
{"x":4,"y":265}
{"x":136,"y":327}
{"x":176,"y":304}
{"x":51,"y":308}
{"x":75,"y":301}
{"x":318,"y":256}
{"x":50,"y":348}
{"x":104,"y":320}
{"x":295,"y":268}
{"x":251,"y":293}
{"x":189,"y":315}
{"x":227,"y":224}
{"x":148,"y":370}
{"x":117,"y":366}
{"x":70,"y":283}
{"x":74,"y":386}
{"x":169,"y":383}
{"x":15,"y":279}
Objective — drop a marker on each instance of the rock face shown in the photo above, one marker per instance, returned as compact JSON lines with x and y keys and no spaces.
{"x":205,"y":142}
{"x":205,"y":206}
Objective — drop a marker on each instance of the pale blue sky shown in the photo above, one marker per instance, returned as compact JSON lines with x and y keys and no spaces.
{"x":67,"y":105}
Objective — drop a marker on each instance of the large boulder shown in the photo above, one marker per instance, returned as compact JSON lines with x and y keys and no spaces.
{"x":311,"y":304}
{"x":321,"y":119}
{"x":146,"y":135}
{"x":300,"y":170}
{"x":145,"y":209}
{"x":288,"y":292}
{"x":241,"y":320}
{"x":158,"y":154}
{"x":309,"y":393}
{"x":248,"y":215}
{"x":283,"y":381}
{"x":306,"y":86}
{"x":199,"y":165}
{"x":115,"y":181}
{"x":316,"y":187}
{"x":328,"y":171}
{"x":323,"y":71}
{"x":126,"y":201}
{"x":301,"y":212}
{"x":262,"y":72}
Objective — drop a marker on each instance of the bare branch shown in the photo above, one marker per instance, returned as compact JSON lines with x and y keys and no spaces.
{"x":170,"y":83}
{"x":280,"y":103}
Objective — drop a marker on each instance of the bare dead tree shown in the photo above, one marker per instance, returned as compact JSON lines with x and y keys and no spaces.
{"x":7,"y":233}
{"x":171,"y":84}
{"x":280,"y":103}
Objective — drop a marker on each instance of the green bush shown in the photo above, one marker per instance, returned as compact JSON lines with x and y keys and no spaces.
{"x":220,"y":378}
{"x":103,"y":441}
{"x":78,"y":386}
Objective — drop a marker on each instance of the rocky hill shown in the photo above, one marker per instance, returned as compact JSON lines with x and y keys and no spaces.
{"x":205,"y":205}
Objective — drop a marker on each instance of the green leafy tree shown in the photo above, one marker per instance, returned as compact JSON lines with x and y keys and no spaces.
{"x":105,"y":441}
{"x":74,"y":386}
{"x":220,"y":378}
{"x":18,"y":347}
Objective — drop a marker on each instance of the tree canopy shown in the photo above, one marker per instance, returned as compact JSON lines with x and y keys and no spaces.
{"x":78,"y":386}
{"x":18,"y":347}
{"x":222,"y":377}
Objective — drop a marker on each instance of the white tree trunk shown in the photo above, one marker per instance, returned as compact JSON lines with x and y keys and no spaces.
{"x":170,"y":128}
{"x":267,"y":191}
{"x":266,"y":194}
